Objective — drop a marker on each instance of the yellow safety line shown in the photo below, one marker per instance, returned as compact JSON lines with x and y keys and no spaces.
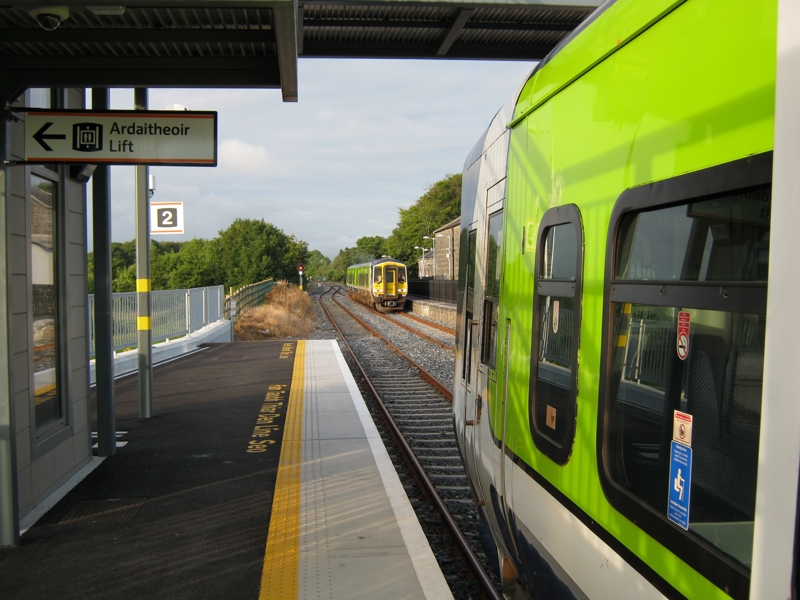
{"x":143,"y":323}
{"x":279,"y":577}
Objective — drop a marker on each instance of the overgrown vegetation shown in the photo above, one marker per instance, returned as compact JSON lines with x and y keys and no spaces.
{"x":288,"y":312}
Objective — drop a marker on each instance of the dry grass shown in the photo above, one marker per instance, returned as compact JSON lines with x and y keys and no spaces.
{"x":287,"y":313}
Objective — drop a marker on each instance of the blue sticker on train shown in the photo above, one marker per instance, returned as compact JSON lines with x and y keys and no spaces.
{"x":680,"y":484}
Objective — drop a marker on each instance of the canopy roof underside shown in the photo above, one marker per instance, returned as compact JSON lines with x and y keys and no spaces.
{"x":256,"y":45}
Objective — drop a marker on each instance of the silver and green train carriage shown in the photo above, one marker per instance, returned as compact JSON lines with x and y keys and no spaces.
{"x":612,"y":311}
{"x":381,"y":284}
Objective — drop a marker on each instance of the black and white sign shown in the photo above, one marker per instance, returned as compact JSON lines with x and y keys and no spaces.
{"x":166,"y":217}
{"x":179,"y":138}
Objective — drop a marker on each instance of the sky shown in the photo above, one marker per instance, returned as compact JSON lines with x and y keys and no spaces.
{"x":366,"y":138}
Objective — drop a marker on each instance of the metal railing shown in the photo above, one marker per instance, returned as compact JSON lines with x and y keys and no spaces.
{"x":173,"y":313}
{"x":246,"y":297}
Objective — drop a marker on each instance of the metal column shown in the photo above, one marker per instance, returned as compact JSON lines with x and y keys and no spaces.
{"x":103,"y":327}
{"x":9,"y":503}
{"x":143,"y":278}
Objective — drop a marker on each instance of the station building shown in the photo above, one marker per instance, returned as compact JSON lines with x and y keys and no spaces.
{"x":48,"y":351}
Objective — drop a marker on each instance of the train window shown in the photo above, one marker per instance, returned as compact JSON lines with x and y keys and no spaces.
{"x":685,"y":322}
{"x":491,"y":304}
{"x":378,"y":278}
{"x":553,"y":401}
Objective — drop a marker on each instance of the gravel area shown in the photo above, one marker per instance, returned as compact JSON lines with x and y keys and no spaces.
{"x":433,"y":358}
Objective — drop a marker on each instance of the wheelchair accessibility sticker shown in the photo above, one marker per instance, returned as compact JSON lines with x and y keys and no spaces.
{"x":680,"y":484}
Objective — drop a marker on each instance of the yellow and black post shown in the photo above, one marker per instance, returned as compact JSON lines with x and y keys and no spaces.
{"x":143,"y":278}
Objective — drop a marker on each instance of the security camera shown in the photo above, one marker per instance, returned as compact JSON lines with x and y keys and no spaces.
{"x":50,"y":17}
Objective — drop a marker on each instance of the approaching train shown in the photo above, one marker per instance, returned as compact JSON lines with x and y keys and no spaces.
{"x":381,"y":284}
{"x":612,"y":310}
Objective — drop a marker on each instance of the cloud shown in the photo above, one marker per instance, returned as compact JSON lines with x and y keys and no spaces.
{"x":239,"y":156}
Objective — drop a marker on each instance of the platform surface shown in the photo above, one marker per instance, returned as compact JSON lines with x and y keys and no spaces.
{"x":354,"y":532}
{"x":247,"y":438}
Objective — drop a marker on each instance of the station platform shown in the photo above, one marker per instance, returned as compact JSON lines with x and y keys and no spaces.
{"x":261,"y":475}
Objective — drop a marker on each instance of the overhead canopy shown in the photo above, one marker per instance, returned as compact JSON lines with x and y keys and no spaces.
{"x":196,"y":43}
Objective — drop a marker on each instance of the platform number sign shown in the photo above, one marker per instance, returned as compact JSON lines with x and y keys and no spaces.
{"x":166,"y":217}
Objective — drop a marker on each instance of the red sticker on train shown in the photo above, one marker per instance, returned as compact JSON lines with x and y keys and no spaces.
{"x":682,"y":345}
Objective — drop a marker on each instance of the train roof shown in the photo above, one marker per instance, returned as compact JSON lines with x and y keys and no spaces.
{"x":377,"y":261}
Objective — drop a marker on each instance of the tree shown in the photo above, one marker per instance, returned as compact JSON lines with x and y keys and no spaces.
{"x":440,"y":204}
{"x":317,"y":265}
{"x":252,"y":250}
{"x":374,"y":246}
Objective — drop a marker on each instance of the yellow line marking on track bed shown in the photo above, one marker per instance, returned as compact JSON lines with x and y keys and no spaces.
{"x":280,"y":575}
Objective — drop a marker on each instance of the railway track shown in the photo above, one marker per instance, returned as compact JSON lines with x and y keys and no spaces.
{"x":443,"y":337}
{"x":417,"y":412}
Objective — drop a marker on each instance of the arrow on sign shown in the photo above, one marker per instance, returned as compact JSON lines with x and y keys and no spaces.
{"x":40,"y":137}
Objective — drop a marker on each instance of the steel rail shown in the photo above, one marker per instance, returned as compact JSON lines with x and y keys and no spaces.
{"x":440,"y":387}
{"x":419,"y":471}
{"x":411,"y":329}
{"x":428,"y":323}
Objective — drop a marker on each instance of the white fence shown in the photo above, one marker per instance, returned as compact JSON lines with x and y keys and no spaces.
{"x":173,"y":313}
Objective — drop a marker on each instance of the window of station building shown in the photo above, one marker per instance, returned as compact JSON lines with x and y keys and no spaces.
{"x":43,"y":248}
{"x":491,"y":303}
{"x":685,"y":326}
{"x":556,"y":328}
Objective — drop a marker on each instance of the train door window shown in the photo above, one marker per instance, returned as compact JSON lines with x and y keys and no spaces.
{"x":491,"y":303}
{"x":472,"y":247}
{"x":556,"y":328}
{"x":684,"y":331}
{"x":377,"y":275}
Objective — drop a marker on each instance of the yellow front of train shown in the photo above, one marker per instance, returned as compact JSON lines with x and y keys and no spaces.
{"x":389,"y":285}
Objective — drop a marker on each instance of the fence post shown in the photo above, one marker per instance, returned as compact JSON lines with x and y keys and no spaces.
{"x":188,"y":301}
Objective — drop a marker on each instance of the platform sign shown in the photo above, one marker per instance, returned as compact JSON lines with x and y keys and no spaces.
{"x":176,"y":138}
{"x":166,"y":217}
{"x":682,"y":344}
{"x":680,"y":484}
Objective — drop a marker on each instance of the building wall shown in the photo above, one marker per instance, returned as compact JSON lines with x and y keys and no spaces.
{"x":48,"y":456}
{"x":447,"y":266}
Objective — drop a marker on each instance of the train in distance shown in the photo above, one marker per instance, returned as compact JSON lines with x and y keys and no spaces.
{"x":612,"y":313}
{"x":381,"y":284}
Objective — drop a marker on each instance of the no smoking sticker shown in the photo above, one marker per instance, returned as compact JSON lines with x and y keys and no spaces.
{"x":682,"y":344}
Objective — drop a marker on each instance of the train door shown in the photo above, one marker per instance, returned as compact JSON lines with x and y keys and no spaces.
{"x":390,"y":283}
{"x":469,"y":366}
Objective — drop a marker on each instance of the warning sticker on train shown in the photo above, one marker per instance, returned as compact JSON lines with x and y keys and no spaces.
{"x":176,"y":138}
{"x":682,"y":427}
{"x":682,"y":345}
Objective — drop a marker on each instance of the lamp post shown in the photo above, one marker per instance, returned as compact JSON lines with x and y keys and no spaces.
{"x":422,"y":256}
{"x":449,"y":267}
{"x":433,"y":240}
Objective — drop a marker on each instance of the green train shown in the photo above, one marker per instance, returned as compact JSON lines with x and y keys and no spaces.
{"x":612,"y":306}
{"x":381,"y":284}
